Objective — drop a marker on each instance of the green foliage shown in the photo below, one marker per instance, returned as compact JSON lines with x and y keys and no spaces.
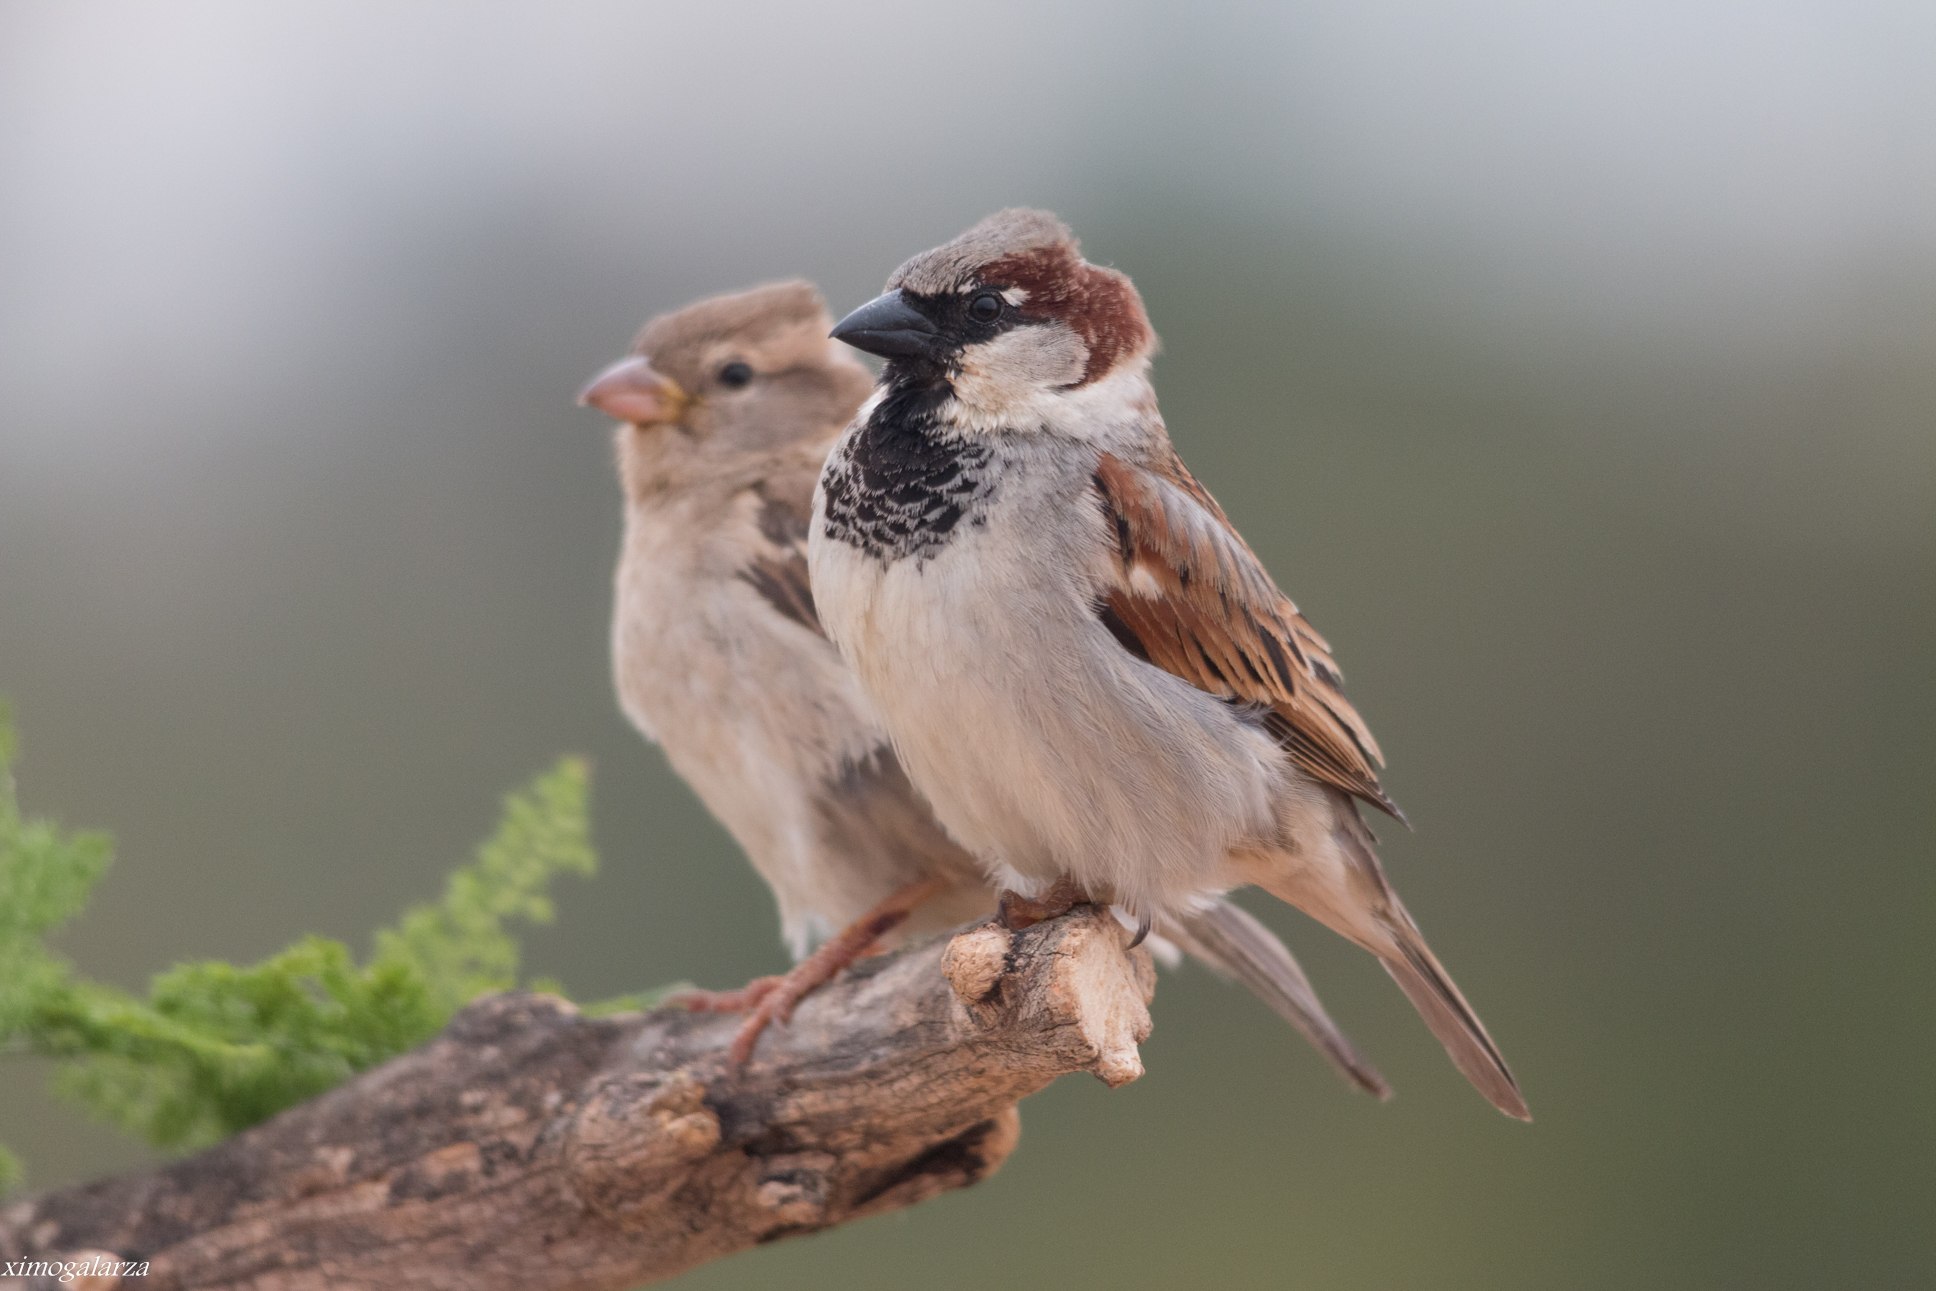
{"x":217,"y":1047}
{"x":45,"y":876}
{"x":458,"y":947}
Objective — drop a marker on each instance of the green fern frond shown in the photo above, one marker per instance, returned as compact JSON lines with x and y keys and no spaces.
{"x":458,"y":946}
{"x":217,"y":1047}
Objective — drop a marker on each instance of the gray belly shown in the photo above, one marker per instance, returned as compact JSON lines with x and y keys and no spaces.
{"x":1045,"y":747}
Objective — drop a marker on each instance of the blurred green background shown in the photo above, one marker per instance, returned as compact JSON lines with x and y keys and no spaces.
{"x":1573,"y":367}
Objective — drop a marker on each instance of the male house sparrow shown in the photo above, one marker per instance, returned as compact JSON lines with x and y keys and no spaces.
{"x":1079,"y":661}
{"x":728,"y":407}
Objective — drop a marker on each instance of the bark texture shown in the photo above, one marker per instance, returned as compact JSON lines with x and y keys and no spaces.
{"x":529,"y":1146}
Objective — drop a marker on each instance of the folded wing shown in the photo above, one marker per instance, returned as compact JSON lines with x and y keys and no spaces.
{"x":1194,"y":600}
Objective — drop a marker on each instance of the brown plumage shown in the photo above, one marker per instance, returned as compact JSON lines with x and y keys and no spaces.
{"x":1082,"y":664}
{"x":1194,"y":600}
{"x":1198,"y":603}
{"x":727,"y":409}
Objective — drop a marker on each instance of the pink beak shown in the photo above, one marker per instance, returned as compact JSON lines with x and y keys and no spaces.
{"x":631,"y":391}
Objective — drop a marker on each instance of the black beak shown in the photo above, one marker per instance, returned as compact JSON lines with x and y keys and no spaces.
{"x":890,"y":326}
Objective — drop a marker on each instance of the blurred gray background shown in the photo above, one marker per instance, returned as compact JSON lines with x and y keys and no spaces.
{"x":1571,"y":366}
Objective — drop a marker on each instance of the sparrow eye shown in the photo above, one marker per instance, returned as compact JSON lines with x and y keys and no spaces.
{"x":986,"y":307}
{"x":735,"y":374}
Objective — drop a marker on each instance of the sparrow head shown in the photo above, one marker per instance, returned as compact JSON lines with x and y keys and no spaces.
{"x":749,"y":372}
{"x":1006,"y":313}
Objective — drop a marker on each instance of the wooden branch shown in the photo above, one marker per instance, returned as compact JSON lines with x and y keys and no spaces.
{"x":529,"y":1146}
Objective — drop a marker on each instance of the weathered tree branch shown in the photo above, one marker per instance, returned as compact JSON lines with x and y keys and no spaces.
{"x":529,"y":1146}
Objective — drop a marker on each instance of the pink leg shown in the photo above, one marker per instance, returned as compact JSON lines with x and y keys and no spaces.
{"x":775,"y":1003}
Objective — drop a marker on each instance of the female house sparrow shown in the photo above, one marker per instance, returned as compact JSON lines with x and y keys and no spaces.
{"x":1081,"y":664}
{"x":728,"y":408}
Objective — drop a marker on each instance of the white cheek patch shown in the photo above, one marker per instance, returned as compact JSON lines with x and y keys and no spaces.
{"x":1012,"y":371}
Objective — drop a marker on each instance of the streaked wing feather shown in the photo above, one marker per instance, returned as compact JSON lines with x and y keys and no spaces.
{"x":779,"y":571}
{"x":1196,"y":602}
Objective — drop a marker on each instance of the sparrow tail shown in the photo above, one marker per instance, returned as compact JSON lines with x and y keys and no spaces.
{"x":1230,"y":942}
{"x":1347,"y":891}
{"x":1429,"y":987}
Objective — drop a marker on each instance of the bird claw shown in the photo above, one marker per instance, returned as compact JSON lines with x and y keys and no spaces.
{"x":738,"y":1000}
{"x":777,"y":1006}
{"x":764,"y":1000}
{"x":1016,"y":912}
{"x":773,"y":999}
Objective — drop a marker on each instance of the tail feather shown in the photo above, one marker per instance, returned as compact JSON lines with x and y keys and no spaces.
{"x":1438,"y":1001}
{"x":1230,"y":942}
{"x":1346,"y":890}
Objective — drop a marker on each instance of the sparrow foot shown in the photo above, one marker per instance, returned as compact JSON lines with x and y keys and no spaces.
{"x":733,"y":1001}
{"x":777,"y":1002}
{"x":1016,"y":911}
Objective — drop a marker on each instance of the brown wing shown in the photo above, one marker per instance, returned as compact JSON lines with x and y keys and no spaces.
{"x":1194,"y":600}
{"x":779,"y":571}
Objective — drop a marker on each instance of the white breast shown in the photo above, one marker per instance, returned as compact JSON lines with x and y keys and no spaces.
{"x":1043,"y":745}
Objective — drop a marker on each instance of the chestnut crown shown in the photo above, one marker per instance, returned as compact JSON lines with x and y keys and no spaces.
{"x":1009,"y":303}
